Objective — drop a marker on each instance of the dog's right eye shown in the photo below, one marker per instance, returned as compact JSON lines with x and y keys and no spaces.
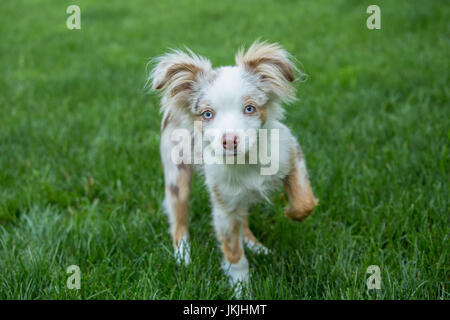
{"x":207,"y":115}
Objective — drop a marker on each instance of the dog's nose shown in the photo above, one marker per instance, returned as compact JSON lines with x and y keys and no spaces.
{"x":230,"y":141}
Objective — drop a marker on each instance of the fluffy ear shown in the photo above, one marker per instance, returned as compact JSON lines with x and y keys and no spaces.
{"x":176,"y":73}
{"x":274,"y":67}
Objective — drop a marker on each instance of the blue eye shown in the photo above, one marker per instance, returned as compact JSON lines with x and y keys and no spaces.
{"x":207,"y":115}
{"x":249,"y":109}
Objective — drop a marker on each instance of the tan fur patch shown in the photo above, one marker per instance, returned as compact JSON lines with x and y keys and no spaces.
{"x":284,"y":68}
{"x":184,"y":181}
{"x":263,"y":114}
{"x":198,"y":124}
{"x":181,"y":216}
{"x":177,"y":68}
{"x":249,"y":100}
{"x":246,"y":232}
{"x":301,"y":197}
{"x":180,"y":88}
{"x":218,"y":197}
{"x":266,"y":54}
{"x":231,"y":246}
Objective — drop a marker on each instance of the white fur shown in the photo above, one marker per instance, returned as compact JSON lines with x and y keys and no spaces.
{"x":256,"y":247}
{"x":238,"y":275}
{"x":183,"y":251}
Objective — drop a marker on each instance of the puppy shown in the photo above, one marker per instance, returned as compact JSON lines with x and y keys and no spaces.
{"x":229,"y":107}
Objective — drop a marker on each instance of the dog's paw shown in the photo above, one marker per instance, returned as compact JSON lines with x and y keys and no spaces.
{"x":238,"y":276}
{"x":257,"y":248}
{"x":298,"y":214}
{"x":183,"y":252}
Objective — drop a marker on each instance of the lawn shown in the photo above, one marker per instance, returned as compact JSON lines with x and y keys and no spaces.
{"x":81,"y":181}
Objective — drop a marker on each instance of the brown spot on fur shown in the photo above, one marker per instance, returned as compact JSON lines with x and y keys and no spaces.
{"x":165,"y":122}
{"x":174,"y":190}
{"x":262,"y":114}
{"x":218,"y":197}
{"x":231,"y":246}
{"x":191,"y":69}
{"x":301,"y":197}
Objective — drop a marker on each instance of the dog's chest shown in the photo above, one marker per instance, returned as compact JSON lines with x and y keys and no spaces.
{"x":245,"y":185}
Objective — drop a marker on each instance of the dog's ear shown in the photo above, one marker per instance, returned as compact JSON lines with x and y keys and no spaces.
{"x":274,"y":67}
{"x":176,"y":74}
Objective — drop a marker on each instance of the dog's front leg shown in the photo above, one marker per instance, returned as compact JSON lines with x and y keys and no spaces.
{"x":228,"y":225}
{"x":235,"y":264}
{"x":298,"y":188}
{"x":177,"y":179}
{"x":177,"y":205}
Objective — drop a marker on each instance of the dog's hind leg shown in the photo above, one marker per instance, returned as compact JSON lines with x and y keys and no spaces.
{"x":298,"y":188}
{"x":177,"y":179}
{"x":250,"y":240}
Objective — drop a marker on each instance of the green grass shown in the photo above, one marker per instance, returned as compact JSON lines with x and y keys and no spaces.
{"x":81,"y":180}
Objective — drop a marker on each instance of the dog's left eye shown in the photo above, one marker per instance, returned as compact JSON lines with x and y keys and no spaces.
{"x":249,"y":109}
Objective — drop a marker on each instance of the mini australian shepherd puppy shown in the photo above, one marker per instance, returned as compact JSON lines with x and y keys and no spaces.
{"x":230,"y":101}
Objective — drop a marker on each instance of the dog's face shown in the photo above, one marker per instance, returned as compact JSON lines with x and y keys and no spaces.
{"x":231,"y":107}
{"x":233,"y":102}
